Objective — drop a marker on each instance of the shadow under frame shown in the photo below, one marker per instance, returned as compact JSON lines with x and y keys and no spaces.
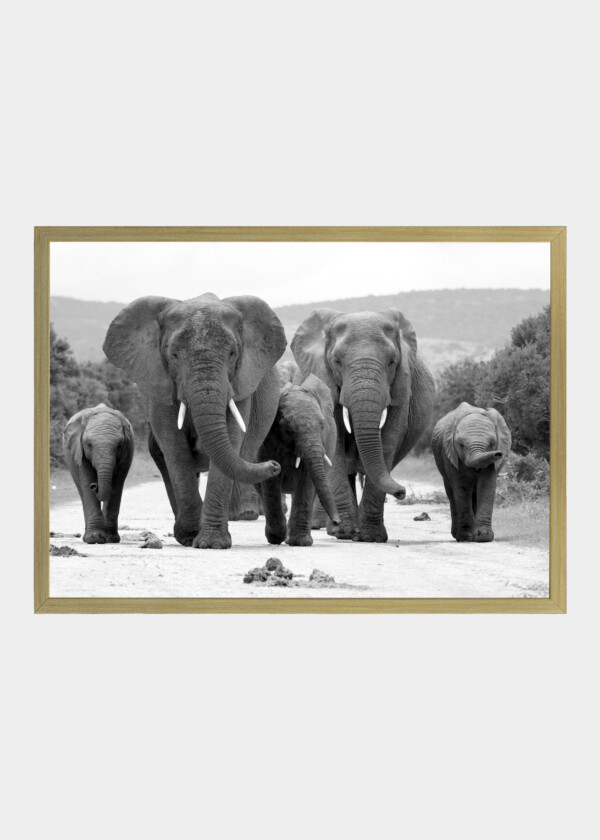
{"x":557,"y":239}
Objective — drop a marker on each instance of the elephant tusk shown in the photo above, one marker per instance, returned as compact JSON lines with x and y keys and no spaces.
{"x":181,"y":416}
{"x":383,"y":418}
{"x":327,"y":461}
{"x":298,"y":462}
{"x":347,"y":420}
{"x":238,"y":417}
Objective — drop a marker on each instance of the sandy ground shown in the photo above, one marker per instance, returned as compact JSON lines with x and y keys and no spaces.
{"x":421,"y":560}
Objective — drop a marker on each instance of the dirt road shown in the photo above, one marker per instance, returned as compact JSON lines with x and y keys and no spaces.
{"x":421,"y":560}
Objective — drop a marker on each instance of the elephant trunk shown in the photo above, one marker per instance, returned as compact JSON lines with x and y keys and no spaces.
{"x":208,"y":406}
{"x":365,"y":404}
{"x":314,"y":459}
{"x":477,"y":460}
{"x":105,"y":466}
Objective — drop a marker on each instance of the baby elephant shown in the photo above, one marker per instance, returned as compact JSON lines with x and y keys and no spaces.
{"x":302,"y":439}
{"x":470,"y":445}
{"x":98,"y":445}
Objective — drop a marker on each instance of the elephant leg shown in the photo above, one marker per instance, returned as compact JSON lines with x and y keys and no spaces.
{"x":486,"y":493}
{"x":301,"y":515}
{"x":244,"y":502}
{"x":275,"y":530}
{"x":263,"y":408}
{"x":453,"y":516}
{"x":159,"y":459}
{"x":182,"y":474}
{"x":319,"y":515}
{"x":214,"y":531}
{"x":92,"y":509}
{"x":463,"y":495}
{"x":111,"y":508}
{"x":372,"y":503}
{"x":342,"y":494}
{"x":370,"y":510}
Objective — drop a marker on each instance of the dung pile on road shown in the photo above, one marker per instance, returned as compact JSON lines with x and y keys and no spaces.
{"x":150,"y":540}
{"x":274,"y":573}
{"x":64,"y":551}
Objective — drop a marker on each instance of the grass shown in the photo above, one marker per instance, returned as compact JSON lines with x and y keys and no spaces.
{"x":525,"y":523}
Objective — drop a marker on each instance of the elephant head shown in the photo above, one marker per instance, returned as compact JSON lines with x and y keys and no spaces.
{"x":101,"y":435}
{"x":367,"y":359}
{"x":306,"y":431}
{"x":204,"y":355}
{"x":476,"y":437}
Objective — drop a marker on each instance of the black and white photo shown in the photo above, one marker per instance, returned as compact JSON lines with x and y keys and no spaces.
{"x":300,"y":419}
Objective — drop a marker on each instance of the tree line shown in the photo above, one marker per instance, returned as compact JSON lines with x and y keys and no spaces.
{"x":74,"y":386}
{"x":515,"y":381}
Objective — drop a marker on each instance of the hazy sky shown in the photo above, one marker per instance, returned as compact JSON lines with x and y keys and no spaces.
{"x":289,"y":272}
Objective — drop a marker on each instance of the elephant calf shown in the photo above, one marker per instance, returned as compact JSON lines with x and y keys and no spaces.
{"x":302,"y":439}
{"x":98,"y":445}
{"x":470,"y":445}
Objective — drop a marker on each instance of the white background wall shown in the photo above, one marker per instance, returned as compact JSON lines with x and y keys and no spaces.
{"x":318,"y":113}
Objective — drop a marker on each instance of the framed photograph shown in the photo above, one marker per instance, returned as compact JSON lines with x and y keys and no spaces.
{"x":300,"y":419}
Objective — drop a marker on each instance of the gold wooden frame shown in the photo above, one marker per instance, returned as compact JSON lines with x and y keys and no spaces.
{"x":555,"y":603}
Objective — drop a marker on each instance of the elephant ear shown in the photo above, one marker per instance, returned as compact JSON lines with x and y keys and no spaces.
{"x":321,"y":392}
{"x":128,"y":435}
{"x":132,"y":343}
{"x":263,"y":343}
{"x":308,"y":345}
{"x":73,"y":433}
{"x":449,"y":424}
{"x":503,"y":434}
{"x":401,"y":388}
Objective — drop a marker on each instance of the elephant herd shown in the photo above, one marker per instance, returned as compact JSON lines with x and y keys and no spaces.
{"x":354,"y":403}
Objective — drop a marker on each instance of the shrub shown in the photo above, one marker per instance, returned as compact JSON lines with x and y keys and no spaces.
{"x":515,"y":381}
{"x":523,"y":478}
{"x":74,"y":387}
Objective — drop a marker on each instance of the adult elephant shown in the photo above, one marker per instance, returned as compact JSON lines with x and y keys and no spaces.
{"x":470,"y":445}
{"x":383,"y":396}
{"x":206,"y":368}
{"x":98,"y":446}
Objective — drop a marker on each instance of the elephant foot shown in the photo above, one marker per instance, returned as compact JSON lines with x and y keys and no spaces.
{"x":302,"y":540}
{"x":483,"y":533}
{"x":319,"y":521}
{"x":275,"y":536}
{"x":463,"y":536}
{"x":95,"y":536}
{"x":346,"y":530}
{"x":184,"y":535}
{"x":215,"y":538}
{"x":248,"y":515}
{"x":112,"y":537}
{"x":373,"y":532}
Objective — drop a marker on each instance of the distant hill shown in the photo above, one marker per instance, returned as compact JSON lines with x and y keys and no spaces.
{"x":450,"y":323}
{"x":83,"y":323}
